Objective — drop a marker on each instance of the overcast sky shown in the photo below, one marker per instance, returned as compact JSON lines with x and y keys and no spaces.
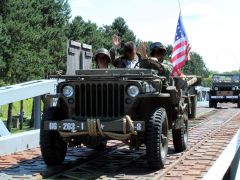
{"x":212,"y":26}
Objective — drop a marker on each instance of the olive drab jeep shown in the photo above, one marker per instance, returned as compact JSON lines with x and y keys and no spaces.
{"x":131,"y":105}
{"x":225,"y":88}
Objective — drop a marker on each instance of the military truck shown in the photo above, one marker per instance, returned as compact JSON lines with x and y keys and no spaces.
{"x":225,"y":88}
{"x":135,"y":106}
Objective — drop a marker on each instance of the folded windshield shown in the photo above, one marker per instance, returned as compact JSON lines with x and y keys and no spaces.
{"x":226,"y":78}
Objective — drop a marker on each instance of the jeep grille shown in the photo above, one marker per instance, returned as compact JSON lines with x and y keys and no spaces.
{"x":99,"y":100}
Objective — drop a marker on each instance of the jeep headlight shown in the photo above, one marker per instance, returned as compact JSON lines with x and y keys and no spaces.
{"x":216,"y":88}
{"x":133,"y":90}
{"x":234,"y":88}
{"x":68,"y":91}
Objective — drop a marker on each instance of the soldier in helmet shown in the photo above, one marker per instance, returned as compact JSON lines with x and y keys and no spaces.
{"x":130,"y":58}
{"x":156,"y":61}
{"x":102,"y":58}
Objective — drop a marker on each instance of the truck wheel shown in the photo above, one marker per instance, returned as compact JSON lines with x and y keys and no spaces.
{"x":238,"y":104}
{"x":180,"y":136}
{"x":215,"y":104}
{"x":210,"y":104}
{"x":193,"y":107}
{"x":157,"y":139}
{"x":53,"y":147}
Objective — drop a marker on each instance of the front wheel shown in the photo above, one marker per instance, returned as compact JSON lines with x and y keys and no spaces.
{"x":238,"y":104}
{"x":157,"y":139}
{"x":212,"y":104}
{"x":180,"y":136}
{"x":53,"y":147}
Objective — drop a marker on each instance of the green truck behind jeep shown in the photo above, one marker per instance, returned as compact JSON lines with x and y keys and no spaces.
{"x":225,"y":88}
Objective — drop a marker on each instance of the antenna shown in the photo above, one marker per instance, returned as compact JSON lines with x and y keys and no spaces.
{"x":179,"y":4}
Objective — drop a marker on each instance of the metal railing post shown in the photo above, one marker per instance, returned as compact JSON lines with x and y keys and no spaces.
{"x":37,"y":112}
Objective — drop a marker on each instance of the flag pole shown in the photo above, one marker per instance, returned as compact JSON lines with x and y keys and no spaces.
{"x":179,"y":4}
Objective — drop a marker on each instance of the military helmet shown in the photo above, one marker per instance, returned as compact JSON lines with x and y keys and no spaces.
{"x":157,"y":46}
{"x":102,"y":51}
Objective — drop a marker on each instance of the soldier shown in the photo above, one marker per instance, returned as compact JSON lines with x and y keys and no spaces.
{"x":156,"y":61}
{"x":102,"y":58}
{"x":130,"y":59}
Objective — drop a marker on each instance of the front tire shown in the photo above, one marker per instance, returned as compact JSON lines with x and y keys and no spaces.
{"x":53,"y":147}
{"x":210,"y":103}
{"x":157,"y":139}
{"x":180,"y":136}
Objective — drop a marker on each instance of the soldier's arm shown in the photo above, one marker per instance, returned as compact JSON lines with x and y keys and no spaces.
{"x":151,"y":63}
{"x":115,"y":47}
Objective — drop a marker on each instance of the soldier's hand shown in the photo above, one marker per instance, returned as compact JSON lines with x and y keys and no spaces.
{"x":143,"y":50}
{"x":116,"y":41}
{"x":153,"y":59}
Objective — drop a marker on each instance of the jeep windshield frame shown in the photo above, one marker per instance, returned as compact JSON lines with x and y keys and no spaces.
{"x":226,"y":78}
{"x":98,"y":74}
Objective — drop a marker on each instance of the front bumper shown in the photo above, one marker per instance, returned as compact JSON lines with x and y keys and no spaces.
{"x":70,"y":125}
{"x":224,"y":97}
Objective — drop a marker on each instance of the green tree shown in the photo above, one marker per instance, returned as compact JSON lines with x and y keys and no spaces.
{"x":35,"y":38}
{"x":88,"y":32}
{"x":120,"y":27}
{"x":195,"y":66}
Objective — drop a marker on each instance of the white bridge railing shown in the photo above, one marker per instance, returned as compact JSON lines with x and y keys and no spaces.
{"x":9,"y":94}
{"x":32,"y":89}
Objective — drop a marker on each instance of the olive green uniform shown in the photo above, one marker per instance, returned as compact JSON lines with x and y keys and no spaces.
{"x":164,"y":67}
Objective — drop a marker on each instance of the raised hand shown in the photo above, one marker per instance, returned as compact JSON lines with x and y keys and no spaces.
{"x":116,"y":41}
{"x":143,"y":50}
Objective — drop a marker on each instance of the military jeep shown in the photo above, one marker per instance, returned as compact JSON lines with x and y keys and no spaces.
{"x":135,"y":106}
{"x":225,"y":88}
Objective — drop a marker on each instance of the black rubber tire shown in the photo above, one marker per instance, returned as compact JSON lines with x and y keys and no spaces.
{"x":53,"y":147}
{"x":180,"y":136}
{"x":238,"y":104}
{"x":210,"y":103}
{"x":157,"y":139}
{"x":193,"y":107}
{"x":215,"y":104}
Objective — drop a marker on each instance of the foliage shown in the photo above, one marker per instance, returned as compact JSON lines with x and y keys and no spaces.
{"x":195,"y":66}
{"x":33,"y":36}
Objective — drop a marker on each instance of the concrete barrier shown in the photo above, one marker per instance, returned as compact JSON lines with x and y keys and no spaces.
{"x":19,"y":142}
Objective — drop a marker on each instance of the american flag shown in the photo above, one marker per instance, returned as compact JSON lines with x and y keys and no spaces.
{"x":181,"y":49}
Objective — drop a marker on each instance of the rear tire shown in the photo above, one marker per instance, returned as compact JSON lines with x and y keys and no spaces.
{"x":180,"y":136}
{"x":238,"y":104}
{"x":157,"y":139}
{"x":53,"y":147}
{"x":193,"y":107}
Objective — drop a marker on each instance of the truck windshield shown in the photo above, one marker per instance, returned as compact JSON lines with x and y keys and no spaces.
{"x":226,"y":78}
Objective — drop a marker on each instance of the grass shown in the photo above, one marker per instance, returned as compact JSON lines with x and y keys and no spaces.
{"x":27,"y":108}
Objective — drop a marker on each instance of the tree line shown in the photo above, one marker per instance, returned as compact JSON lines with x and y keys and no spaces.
{"x":33,"y":36}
